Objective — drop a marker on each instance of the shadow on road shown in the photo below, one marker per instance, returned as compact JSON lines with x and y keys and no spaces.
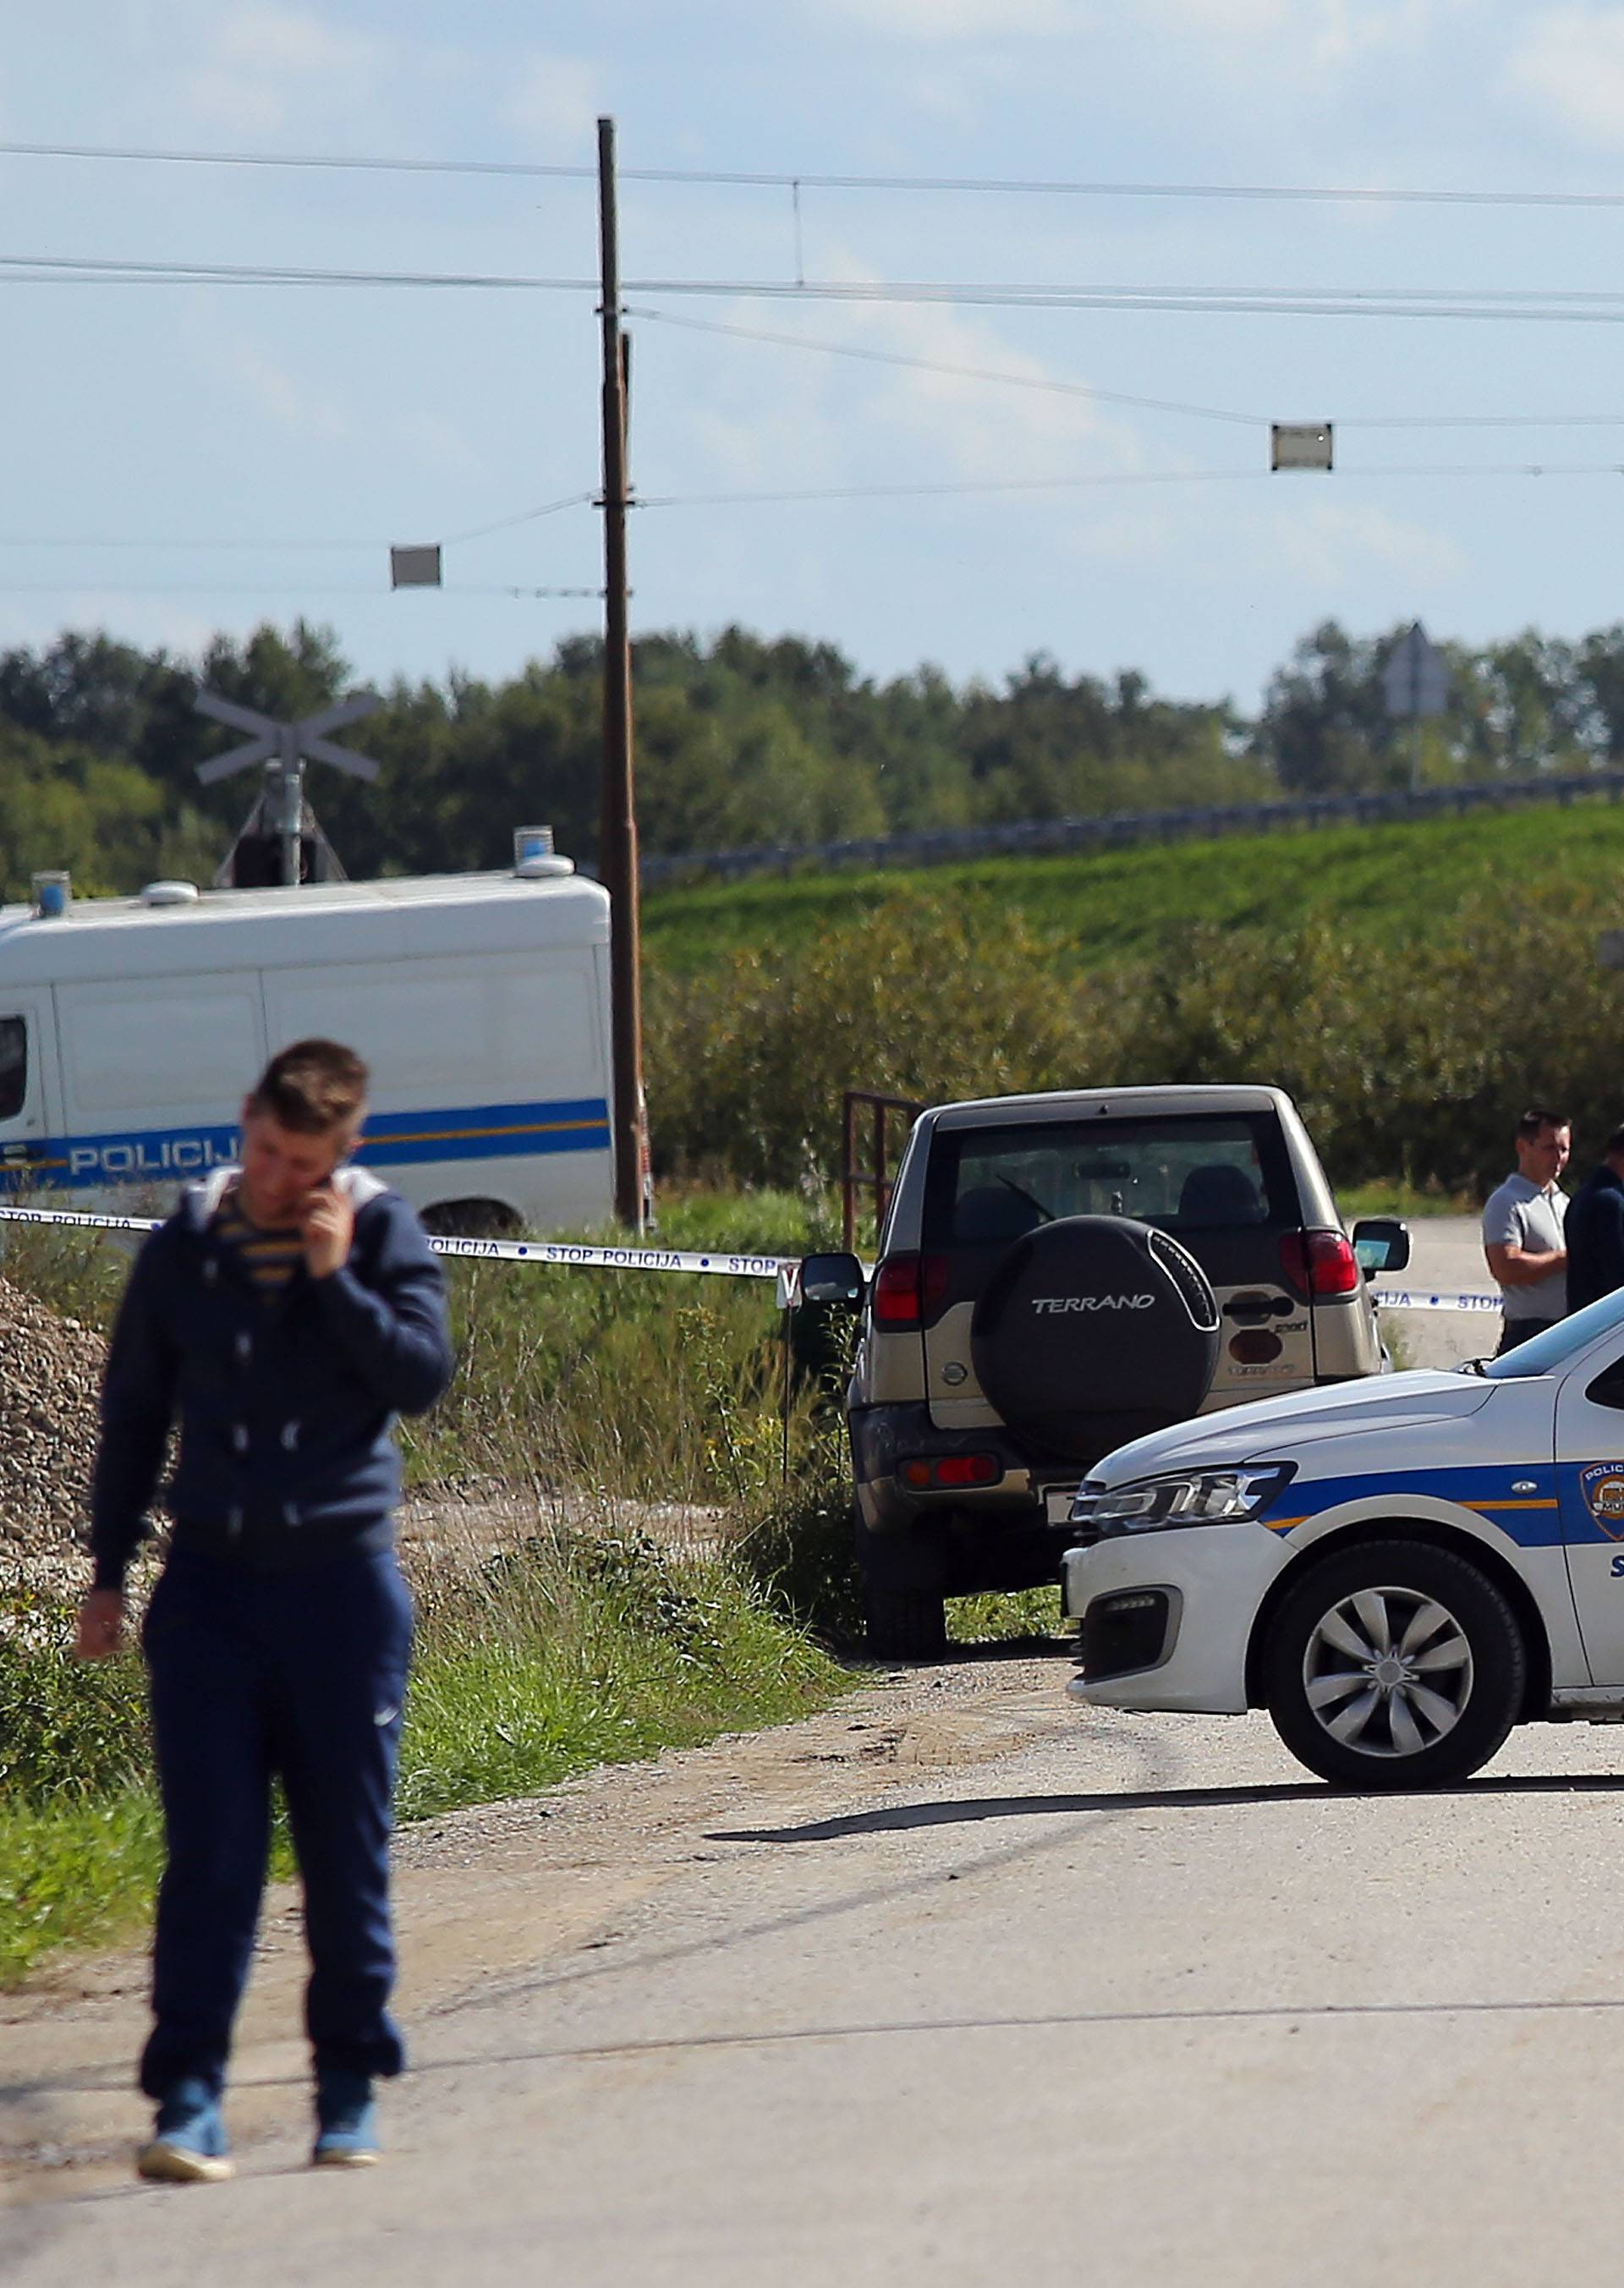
{"x":1036,"y":1645}
{"x":968,"y":1813}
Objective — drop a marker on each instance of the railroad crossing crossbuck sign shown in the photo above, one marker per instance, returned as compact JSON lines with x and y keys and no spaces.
{"x":286,"y":747}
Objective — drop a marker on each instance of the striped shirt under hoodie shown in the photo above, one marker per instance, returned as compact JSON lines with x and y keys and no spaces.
{"x":270,"y":1256}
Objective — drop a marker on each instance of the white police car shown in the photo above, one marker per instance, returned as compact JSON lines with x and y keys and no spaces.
{"x":1400,"y":1570}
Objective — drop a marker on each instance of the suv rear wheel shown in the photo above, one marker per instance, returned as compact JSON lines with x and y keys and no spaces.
{"x":904,"y":1608}
{"x":1395,"y":1665}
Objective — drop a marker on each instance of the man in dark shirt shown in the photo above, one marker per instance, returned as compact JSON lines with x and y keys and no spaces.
{"x":1595,"y":1230}
{"x":283,"y":1317}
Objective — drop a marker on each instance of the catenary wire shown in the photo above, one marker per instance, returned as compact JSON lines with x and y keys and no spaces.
{"x":91,"y":585}
{"x":522,"y":516}
{"x":1579,"y":306}
{"x":938,"y":488}
{"x":297,"y":547}
{"x":936,"y":365}
{"x":642,"y":314}
{"x":1131,"y":477}
{"x":736,"y":178}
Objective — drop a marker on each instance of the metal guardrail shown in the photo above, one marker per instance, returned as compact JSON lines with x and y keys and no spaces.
{"x":1119,"y":829}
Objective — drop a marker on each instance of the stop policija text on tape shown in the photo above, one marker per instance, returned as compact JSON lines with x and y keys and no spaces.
{"x":716,"y":1265}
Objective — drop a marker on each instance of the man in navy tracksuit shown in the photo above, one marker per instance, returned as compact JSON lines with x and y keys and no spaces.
{"x":283,"y":1317}
{"x":1595,"y":1229}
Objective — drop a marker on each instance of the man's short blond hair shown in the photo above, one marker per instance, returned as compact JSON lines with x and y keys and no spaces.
{"x":313,"y":1087}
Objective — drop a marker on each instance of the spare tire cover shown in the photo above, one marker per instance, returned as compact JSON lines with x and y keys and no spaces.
{"x":1094,"y":1330}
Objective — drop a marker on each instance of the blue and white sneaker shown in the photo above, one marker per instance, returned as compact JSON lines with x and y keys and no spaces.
{"x":346,"y":2119}
{"x":188,"y":2144}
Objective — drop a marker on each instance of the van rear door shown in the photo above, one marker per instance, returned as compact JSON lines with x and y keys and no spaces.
{"x":31,"y":1155}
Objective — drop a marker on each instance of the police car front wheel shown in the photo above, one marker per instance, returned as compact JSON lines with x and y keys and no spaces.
{"x":1395,"y":1665}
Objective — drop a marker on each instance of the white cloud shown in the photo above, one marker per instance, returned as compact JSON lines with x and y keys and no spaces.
{"x":150,"y":622}
{"x":1322,"y":549}
{"x":978,"y":430}
{"x":277,"y":396}
{"x":1292,"y":39}
{"x":943,"y":20}
{"x":263,"y":65}
{"x":941,"y":414}
{"x":1331,"y":542}
{"x":1297,"y":31}
{"x":1569,"y":64}
{"x":273,"y":394}
{"x":555,"y":104}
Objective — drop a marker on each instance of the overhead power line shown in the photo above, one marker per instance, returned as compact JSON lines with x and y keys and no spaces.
{"x":1369,"y":193}
{"x":1087,"y":390}
{"x":523,"y":516}
{"x":961,"y":372}
{"x":117,"y":270}
{"x":1543,"y":306}
{"x":1128,"y":477}
{"x":91,"y":585}
{"x":305,"y":546}
{"x":942,"y":489}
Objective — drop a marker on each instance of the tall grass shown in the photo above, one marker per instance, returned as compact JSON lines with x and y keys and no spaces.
{"x":656,"y":1524}
{"x":566,"y":1651}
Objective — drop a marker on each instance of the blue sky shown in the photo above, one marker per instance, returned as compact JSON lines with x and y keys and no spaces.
{"x":310,"y":427}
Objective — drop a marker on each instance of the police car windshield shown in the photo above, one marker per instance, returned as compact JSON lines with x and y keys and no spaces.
{"x":1544,"y":1354}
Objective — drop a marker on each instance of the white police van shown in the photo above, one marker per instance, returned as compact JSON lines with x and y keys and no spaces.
{"x":1398,"y":1570}
{"x":131,"y":1028}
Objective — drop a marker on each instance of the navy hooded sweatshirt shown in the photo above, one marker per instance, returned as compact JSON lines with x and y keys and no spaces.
{"x":286,"y":1405}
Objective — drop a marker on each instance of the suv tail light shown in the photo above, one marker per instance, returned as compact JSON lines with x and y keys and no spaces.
{"x":952,"y":1470}
{"x":908,"y":1289}
{"x":1320,"y":1263}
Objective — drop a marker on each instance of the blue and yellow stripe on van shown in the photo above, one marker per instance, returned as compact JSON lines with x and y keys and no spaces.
{"x":486,"y":1132}
{"x":1532,"y":1521}
{"x":158,"y":1155}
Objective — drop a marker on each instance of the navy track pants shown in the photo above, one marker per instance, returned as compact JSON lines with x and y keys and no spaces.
{"x":299,"y":1675}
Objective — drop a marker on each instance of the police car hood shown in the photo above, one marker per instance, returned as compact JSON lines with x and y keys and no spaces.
{"x":1272,"y":1427}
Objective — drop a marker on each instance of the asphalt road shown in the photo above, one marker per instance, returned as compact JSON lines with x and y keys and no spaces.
{"x":955,"y":1985}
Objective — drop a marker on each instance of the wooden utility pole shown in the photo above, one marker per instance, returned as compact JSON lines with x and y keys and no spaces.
{"x":617,"y":835}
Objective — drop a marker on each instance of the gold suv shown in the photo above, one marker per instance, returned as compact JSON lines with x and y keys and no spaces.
{"x":1060,"y":1274}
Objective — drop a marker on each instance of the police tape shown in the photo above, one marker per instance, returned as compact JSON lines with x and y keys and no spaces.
{"x":1413,"y":1299}
{"x":782,"y":1269}
{"x":497,"y":1250}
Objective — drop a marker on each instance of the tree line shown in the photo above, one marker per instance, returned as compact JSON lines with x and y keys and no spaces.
{"x":741,"y":740}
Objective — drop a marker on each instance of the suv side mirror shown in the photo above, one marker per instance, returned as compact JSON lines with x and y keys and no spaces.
{"x":832,"y":1279}
{"x":1382,"y":1244}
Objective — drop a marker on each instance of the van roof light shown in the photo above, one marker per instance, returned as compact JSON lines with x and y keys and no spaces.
{"x":169,"y":893}
{"x":534,"y":857}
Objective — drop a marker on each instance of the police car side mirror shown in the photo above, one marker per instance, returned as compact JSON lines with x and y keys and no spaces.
{"x":832,"y":1279}
{"x":1381,"y":1243}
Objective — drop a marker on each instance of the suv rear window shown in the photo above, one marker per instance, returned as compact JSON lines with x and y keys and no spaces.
{"x":13,"y":1066}
{"x":1208,"y":1171}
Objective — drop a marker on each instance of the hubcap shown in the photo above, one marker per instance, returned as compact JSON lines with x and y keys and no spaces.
{"x":1388,"y":1672}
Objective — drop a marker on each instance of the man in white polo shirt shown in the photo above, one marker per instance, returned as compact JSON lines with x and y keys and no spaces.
{"x":1522,"y":1229}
